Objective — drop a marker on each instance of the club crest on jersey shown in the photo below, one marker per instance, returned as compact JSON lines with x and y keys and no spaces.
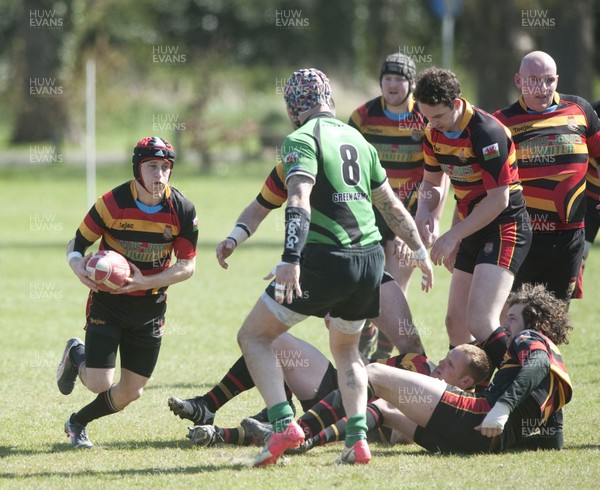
{"x":491,"y":151}
{"x":523,"y":337}
{"x":488,"y":248}
{"x":417,"y":135}
{"x":572,"y":123}
{"x":168,"y":233}
{"x":291,"y":157}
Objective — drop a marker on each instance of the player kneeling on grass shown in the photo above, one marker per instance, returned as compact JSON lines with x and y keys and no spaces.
{"x":146,"y":220}
{"x":521,"y":407}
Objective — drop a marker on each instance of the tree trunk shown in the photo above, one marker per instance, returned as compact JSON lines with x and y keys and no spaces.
{"x":571,"y":43}
{"x":40,"y":94}
{"x":492,"y":26}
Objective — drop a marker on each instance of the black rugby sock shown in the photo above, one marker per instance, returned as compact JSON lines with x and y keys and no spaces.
{"x":77,"y":356}
{"x":325,"y":413}
{"x":236,"y":381}
{"x":100,"y":407}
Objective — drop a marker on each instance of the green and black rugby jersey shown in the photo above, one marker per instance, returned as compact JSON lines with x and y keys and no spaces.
{"x":345,"y":169}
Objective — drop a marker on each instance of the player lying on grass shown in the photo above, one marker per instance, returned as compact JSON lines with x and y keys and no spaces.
{"x":525,"y":397}
{"x":522,"y":408}
{"x":313,"y":379}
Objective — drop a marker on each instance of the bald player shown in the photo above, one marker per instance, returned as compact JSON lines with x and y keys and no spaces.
{"x":554,"y":135}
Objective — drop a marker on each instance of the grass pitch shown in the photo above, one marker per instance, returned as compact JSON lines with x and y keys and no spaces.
{"x":145,"y":446}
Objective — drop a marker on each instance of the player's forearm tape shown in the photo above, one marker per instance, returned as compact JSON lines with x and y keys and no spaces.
{"x":297,"y":222}
{"x":497,"y":416}
{"x":420,"y":254}
{"x":239,"y":234}
{"x":74,"y":255}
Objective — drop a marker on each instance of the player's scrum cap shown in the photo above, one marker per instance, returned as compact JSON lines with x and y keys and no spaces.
{"x":306,"y":89}
{"x":151,"y":148}
{"x":399,"y":64}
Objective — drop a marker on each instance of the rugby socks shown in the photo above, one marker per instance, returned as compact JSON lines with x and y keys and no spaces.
{"x":236,"y":436}
{"x":356,"y":429}
{"x":77,"y":356}
{"x":384,"y":346}
{"x":367,"y":338}
{"x":100,"y":407}
{"x":327,"y":385}
{"x":337,"y":431}
{"x":236,"y":381}
{"x":280,"y":416}
{"x":325,"y":413}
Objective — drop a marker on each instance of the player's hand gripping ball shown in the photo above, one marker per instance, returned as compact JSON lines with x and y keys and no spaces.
{"x":108,"y":269}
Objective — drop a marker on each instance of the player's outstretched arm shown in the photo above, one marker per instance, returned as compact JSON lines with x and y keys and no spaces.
{"x":247,"y":223}
{"x":404,"y":226}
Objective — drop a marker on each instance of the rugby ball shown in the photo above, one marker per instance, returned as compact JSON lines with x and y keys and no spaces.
{"x":109,"y":269}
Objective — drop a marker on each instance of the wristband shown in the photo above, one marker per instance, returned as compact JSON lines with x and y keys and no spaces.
{"x":239,"y":234}
{"x":73,"y":255}
{"x":297,"y":223}
{"x":420,"y":253}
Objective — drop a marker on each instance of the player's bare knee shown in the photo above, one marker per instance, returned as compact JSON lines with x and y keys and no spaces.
{"x":135,"y":394}
{"x":374,"y":373}
{"x":241,"y":337}
{"x":98,"y":385}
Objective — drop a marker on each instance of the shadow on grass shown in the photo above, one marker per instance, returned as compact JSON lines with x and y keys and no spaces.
{"x":129,"y":445}
{"x":128,"y":472}
{"x":400,"y":450}
{"x":6,"y":451}
{"x":204,"y":387}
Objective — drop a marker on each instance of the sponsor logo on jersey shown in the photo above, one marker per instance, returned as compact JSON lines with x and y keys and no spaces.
{"x":457,"y":172}
{"x":348,"y":196}
{"x":96,"y":321}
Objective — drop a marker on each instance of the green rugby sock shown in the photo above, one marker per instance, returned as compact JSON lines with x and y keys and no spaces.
{"x":280,"y":416}
{"x":356,"y":429}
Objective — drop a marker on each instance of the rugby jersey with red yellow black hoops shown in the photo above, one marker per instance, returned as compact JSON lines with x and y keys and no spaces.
{"x":553,"y":392}
{"x":146,"y":240}
{"x":398,"y":144}
{"x":592,"y":187}
{"x":417,"y":363}
{"x":481,"y":158}
{"x":553,"y":150}
{"x":273,"y":193}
